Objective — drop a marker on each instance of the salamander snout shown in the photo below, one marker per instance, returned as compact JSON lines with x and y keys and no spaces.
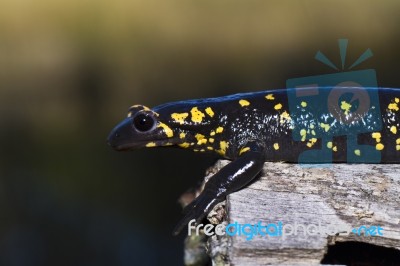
{"x":121,"y":136}
{"x":113,"y":138}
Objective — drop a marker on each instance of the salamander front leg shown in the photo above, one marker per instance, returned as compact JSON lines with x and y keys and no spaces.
{"x":229,"y":179}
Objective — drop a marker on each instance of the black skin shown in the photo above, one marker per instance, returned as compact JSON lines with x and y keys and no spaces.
{"x":252,"y":128}
{"x":230,"y":178}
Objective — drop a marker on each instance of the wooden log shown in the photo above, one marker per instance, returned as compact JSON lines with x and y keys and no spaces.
{"x":331,"y":199}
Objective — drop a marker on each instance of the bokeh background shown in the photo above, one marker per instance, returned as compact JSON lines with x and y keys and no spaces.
{"x":69,"y":70}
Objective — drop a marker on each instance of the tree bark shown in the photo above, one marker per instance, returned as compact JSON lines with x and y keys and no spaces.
{"x":330,"y":199}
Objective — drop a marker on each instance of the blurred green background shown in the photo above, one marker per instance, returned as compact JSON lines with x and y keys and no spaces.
{"x":69,"y":70}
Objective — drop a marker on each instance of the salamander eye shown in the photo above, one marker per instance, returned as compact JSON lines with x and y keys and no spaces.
{"x":143,"y":122}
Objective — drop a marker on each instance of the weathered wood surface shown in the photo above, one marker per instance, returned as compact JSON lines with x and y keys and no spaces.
{"x":341,"y":195}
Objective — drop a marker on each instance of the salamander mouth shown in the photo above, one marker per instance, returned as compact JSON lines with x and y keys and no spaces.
{"x":123,"y":147}
{"x":126,"y":146}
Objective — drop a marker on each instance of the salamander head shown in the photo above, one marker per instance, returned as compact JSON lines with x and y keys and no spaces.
{"x":142,"y":128}
{"x":188,"y":124}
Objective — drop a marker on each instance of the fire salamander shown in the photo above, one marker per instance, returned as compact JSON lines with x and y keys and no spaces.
{"x":305,"y":125}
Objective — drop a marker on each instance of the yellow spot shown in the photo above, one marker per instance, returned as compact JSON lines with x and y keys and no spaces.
{"x":284,"y":117}
{"x":151,"y":144}
{"x":270,"y":97}
{"x":223,"y":146}
{"x":303,"y":134}
{"x":397,"y":147}
{"x":276,"y":146}
{"x":210,"y":148}
{"x":393,"y":106}
{"x":202,"y":141}
{"x":329,"y":145}
{"x":303,"y":104}
{"x":398,"y":141}
{"x":312,"y":126}
{"x":184,"y":145}
{"x":278,"y":106}
{"x":209,"y":111}
{"x":212,"y":133}
{"x":313,"y":132}
{"x":182,"y":135}
{"x":376,"y":136}
{"x":311,"y":142}
{"x":129,"y":114}
{"x":345,"y":106}
{"x":168,"y":131}
{"x":393,"y":129}
{"x":180,"y":118}
{"x":326,"y":127}
{"x":219,"y":130}
{"x":379,"y":146}
{"x":244,"y":103}
{"x":396,"y":100}
{"x":197,"y":115}
{"x":199,"y":137}
{"x":244,"y":150}
{"x":357,"y":152}
{"x":202,"y":150}
{"x":211,"y":140}
{"x":334,"y":148}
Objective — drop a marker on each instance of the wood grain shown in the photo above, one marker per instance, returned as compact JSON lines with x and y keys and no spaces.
{"x":336,"y":196}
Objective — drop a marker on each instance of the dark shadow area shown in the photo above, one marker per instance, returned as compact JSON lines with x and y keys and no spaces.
{"x":361,"y":254}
